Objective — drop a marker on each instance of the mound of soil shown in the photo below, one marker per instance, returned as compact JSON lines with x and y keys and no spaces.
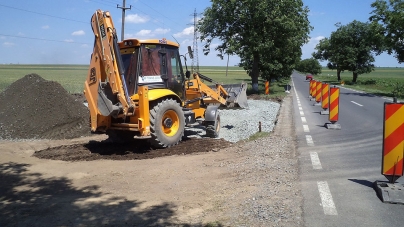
{"x":139,"y":149}
{"x":34,"y":108}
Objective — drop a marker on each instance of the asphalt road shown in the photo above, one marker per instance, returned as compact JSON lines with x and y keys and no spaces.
{"x":338,"y":167}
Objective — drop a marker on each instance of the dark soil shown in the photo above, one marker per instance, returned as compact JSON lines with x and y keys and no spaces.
{"x":34,"y":108}
{"x":139,"y":149}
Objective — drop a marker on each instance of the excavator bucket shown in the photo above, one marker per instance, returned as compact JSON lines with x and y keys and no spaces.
{"x":237,"y":95}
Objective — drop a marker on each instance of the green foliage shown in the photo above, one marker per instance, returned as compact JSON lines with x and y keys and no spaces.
{"x":267,"y":35}
{"x":309,"y":65}
{"x":351,"y":47}
{"x":390,"y":15}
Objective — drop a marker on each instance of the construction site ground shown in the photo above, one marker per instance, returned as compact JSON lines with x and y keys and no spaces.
{"x":89,"y":181}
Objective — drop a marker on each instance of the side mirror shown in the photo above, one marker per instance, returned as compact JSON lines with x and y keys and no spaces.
{"x":190,"y":52}
{"x":188,"y":74}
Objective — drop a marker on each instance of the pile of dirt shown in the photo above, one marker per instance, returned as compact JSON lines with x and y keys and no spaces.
{"x":34,"y":108}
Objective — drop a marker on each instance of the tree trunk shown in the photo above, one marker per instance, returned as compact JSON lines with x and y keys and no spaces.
{"x":339,"y":74}
{"x":355,"y":77}
{"x":255,"y":73}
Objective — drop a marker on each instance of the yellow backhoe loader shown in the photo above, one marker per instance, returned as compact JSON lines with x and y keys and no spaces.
{"x":136,"y":89}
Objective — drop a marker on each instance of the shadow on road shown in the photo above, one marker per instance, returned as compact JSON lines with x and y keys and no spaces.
{"x":363,"y":182}
{"x":29,"y":199}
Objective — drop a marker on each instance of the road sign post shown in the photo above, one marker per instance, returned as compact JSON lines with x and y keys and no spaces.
{"x":393,"y":152}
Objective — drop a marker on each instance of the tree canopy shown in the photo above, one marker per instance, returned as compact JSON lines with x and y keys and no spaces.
{"x":309,"y":65}
{"x":267,"y":35}
{"x":390,"y":15}
{"x":351,"y":47}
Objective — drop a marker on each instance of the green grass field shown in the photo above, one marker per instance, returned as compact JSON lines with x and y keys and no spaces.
{"x":72,"y":77}
{"x":383,"y":81}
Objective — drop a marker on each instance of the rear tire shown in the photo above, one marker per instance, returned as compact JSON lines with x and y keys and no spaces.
{"x":213,"y":127}
{"x":167,"y":124}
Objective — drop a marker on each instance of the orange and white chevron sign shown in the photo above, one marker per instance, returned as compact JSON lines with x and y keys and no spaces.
{"x":393,"y":141}
{"x":324,"y":96}
{"x":334,"y":104}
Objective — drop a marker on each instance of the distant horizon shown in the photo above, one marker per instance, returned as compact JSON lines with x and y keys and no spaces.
{"x":189,"y":66}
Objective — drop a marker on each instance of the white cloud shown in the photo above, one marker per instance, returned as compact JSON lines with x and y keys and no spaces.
{"x":8,"y":44}
{"x":69,"y":40}
{"x":21,"y":34}
{"x":45,"y":27}
{"x":186,"y":32}
{"x":317,"y":39}
{"x":143,"y":33}
{"x":136,"y":19}
{"x":148,"y":33}
{"x":80,"y":32}
{"x":161,"y":31}
{"x":84,"y":45}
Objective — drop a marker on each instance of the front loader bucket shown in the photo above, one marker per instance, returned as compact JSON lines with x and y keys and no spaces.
{"x":237,"y":96}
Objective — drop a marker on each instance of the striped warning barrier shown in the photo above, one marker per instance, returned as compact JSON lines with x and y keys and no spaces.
{"x":393,"y":141}
{"x":311,"y":88}
{"x":325,"y":98}
{"x":267,"y":87}
{"x":318,"y":92}
{"x":334,"y":104}
{"x":334,"y":109}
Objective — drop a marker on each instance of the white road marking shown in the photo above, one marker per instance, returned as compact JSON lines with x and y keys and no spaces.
{"x":306,"y":128}
{"x":356,"y":103}
{"x":301,"y":113}
{"x":309,"y":140}
{"x":300,"y":108}
{"x":315,"y":160}
{"x":326,"y":198}
{"x":304,"y":120}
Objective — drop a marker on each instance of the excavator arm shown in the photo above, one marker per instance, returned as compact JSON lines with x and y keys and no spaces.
{"x":105,"y":88}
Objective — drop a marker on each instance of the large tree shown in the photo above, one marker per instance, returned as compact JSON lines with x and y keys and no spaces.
{"x":309,"y":65}
{"x":267,"y":35}
{"x":390,"y":15}
{"x":325,"y":52}
{"x":351,"y":47}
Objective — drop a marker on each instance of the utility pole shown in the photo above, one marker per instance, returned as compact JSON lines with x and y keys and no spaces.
{"x":195,"y":60}
{"x":123,"y":17}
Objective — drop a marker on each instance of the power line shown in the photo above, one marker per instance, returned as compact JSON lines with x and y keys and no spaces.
{"x":43,"y":14}
{"x":52,"y":40}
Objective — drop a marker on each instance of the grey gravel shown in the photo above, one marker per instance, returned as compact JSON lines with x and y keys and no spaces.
{"x":240,"y":124}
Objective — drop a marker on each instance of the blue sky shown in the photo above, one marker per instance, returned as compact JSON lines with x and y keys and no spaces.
{"x":59,"y":31}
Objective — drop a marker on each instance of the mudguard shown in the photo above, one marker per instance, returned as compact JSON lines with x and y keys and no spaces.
{"x":210,"y":112}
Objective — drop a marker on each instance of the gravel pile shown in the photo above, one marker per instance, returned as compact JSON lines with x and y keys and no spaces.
{"x":240,"y":124}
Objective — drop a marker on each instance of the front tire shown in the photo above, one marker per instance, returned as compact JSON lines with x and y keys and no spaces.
{"x":167,"y":124}
{"x":213,"y":127}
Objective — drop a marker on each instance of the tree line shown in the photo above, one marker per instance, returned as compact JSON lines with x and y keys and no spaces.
{"x":268,"y":35}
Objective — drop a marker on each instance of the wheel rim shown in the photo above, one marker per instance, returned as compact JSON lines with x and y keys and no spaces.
{"x":172,"y":128}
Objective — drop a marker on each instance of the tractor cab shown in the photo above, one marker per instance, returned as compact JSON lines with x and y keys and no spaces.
{"x":155,"y":63}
